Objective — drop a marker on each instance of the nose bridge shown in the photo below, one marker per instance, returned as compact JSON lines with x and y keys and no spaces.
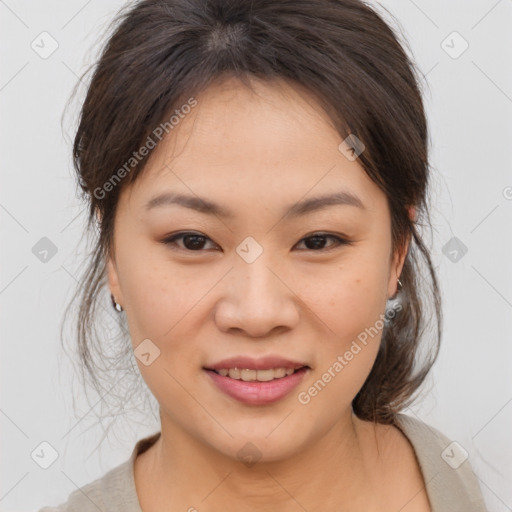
{"x":256,"y":299}
{"x":256,"y":279}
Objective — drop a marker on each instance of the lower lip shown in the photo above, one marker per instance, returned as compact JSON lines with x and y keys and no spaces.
{"x":255,"y":392}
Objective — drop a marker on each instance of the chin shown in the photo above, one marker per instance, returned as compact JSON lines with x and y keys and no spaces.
{"x":260,"y":446}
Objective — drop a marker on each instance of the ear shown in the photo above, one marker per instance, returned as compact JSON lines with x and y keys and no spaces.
{"x":113,"y":281}
{"x":399,"y":259}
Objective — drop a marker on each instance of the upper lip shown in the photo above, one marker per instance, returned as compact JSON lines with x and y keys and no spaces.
{"x":262,"y":363}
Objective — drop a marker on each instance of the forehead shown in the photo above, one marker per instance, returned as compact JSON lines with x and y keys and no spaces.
{"x":273,"y":144}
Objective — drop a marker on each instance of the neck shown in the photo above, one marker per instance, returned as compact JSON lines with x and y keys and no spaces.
{"x":191,"y":475}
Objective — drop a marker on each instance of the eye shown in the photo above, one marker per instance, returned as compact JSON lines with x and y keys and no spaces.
{"x":191,"y":241}
{"x":317,"y":241}
{"x":196,"y":241}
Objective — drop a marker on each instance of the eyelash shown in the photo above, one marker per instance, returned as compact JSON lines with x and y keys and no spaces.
{"x":179,"y":236}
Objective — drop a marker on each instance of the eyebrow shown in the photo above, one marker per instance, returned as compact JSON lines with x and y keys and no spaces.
{"x":299,"y":209}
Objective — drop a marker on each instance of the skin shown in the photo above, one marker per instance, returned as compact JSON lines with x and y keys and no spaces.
{"x":257,"y":155}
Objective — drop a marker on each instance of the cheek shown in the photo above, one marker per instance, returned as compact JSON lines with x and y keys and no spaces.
{"x":162,"y":304}
{"x":351,"y":312}
{"x":347,"y":297}
{"x":353,"y":316}
{"x":154,"y":296}
{"x":158,"y":292}
{"x":350,"y":300}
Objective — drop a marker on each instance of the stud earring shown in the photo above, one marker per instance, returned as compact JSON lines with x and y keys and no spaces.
{"x":117,"y":306}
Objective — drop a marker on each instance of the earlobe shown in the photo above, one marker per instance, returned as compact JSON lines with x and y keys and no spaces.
{"x":395,"y":284}
{"x":113,"y":281}
{"x":398,"y":283}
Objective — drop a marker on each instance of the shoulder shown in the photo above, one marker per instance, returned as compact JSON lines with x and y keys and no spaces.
{"x":97,"y":495}
{"x":113,"y":491}
{"x":449,"y":478}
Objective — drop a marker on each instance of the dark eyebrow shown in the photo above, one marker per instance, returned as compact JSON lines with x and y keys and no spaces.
{"x":298,"y":209}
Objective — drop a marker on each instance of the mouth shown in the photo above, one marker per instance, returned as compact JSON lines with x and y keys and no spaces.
{"x":252,"y":375}
{"x":257,"y":387}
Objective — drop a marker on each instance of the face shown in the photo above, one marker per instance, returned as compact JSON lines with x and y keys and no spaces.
{"x":264,"y":275}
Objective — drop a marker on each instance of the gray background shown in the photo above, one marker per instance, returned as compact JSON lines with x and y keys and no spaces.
{"x":469,"y":105}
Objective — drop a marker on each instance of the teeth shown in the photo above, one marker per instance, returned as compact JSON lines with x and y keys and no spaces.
{"x":259,"y":375}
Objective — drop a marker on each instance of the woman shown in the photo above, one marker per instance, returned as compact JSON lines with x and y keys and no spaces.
{"x":257,"y":173}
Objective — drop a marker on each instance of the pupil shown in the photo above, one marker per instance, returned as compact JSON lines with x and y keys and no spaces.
{"x":195,"y":242}
{"x":318,"y":242}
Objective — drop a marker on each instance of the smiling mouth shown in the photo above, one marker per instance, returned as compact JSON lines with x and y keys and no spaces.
{"x":248,"y":375}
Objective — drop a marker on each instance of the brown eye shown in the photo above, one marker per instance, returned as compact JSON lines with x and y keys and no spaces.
{"x":195,"y":242}
{"x":191,"y":241}
{"x":317,"y":242}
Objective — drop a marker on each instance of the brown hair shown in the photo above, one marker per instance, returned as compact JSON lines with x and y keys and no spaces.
{"x":162,"y":52}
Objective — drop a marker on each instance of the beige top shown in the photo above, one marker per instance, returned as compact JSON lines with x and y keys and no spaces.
{"x":450,"y":482}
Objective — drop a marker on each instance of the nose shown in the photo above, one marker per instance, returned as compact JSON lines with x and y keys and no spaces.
{"x":257,"y":300}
